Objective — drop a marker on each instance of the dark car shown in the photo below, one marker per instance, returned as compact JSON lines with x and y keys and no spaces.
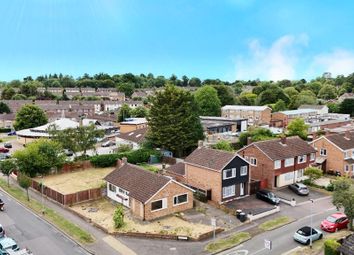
{"x":300,"y":189}
{"x":11,"y":133}
{"x":3,"y":150}
{"x":68,"y":152}
{"x":268,"y":196}
{"x":8,"y":145}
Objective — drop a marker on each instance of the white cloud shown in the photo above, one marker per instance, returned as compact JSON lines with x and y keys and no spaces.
{"x":271,"y":63}
{"x":337,"y":62}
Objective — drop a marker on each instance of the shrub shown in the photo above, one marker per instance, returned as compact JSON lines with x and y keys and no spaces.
{"x":331,"y":246}
{"x":330,"y":187}
{"x":5,"y":130}
{"x":105,"y":160}
{"x":118,"y":217}
{"x":124,"y":148}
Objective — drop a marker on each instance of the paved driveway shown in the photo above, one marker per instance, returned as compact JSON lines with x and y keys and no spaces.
{"x":249,"y":204}
{"x":287,"y":194}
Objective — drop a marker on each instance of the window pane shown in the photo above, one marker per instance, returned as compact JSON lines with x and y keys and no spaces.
{"x":156,"y":205}
{"x":180,"y":199}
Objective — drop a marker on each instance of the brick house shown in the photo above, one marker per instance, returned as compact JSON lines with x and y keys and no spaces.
{"x":282,"y":119}
{"x":278,"y":162}
{"x":134,"y":138}
{"x":148,"y":195}
{"x":256,"y":115}
{"x":336,"y":153}
{"x":222,"y":176}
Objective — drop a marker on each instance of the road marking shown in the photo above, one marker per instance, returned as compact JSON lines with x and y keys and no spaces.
{"x":118,"y":246}
{"x":319,"y":213}
{"x":292,"y":250}
{"x":259,"y":251}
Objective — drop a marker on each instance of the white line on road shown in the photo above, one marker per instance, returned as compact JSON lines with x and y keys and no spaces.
{"x":319,"y":213}
{"x":258,"y":251}
{"x":292,"y":250}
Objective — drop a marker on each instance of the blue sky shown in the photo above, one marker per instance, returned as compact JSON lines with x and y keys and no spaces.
{"x":225,"y":39}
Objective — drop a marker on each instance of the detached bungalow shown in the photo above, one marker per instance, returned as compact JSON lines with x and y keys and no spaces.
{"x":148,"y":195}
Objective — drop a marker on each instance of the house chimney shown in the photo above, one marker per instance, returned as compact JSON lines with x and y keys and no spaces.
{"x":283,"y":139}
{"x":200,"y":143}
{"x":121,"y":162}
{"x":124,"y":160}
{"x":249,"y":140}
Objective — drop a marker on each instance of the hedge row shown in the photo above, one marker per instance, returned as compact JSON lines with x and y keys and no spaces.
{"x":331,"y":247}
{"x":5,"y":130}
{"x":134,"y":157}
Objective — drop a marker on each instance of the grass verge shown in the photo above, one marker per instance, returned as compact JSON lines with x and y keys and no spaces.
{"x":50,"y":215}
{"x":227,"y":243}
{"x":149,"y":167}
{"x":275,"y":223}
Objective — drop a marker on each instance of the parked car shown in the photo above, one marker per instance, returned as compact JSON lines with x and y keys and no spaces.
{"x":108,"y":143}
{"x":304,"y":235}
{"x":4,"y":156}
{"x":4,"y":150}
{"x":11,"y":133}
{"x":8,"y":243}
{"x":68,"y":152}
{"x":19,"y":252}
{"x":268,"y":196}
{"x":300,"y":189}
{"x":8,"y":145}
{"x":2,"y":231}
{"x":335,"y":222}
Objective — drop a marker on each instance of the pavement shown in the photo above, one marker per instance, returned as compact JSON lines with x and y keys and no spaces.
{"x":288,"y":194}
{"x":249,"y":204}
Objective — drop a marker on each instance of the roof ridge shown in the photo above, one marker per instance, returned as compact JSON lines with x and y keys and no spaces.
{"x":142,"y":169}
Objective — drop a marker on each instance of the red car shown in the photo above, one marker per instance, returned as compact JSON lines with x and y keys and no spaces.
{"x":3,"y":150}
{"x":335,"y":222}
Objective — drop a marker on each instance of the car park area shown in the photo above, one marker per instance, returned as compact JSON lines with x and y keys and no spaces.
{"x":286,"y":193}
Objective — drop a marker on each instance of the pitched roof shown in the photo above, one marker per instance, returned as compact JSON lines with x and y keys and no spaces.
{"x":245,"y":107}
{"x":299,"y":111}
{"x":178,"y":169}
{"x":347,"y":247}
{"x":345,"y":141}
{"x":210,"y":158}
{"x":312,"y":106}
{"x":136,"y":136}
{"x":140,"y":183}
{"x":275,"y":150}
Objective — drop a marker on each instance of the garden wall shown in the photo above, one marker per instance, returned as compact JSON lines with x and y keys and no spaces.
{"x":68,"y":199}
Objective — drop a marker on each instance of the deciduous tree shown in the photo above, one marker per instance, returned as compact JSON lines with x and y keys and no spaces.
{"x":343,"y":197}
{"x":4,"y":108}
{"x":208,"y":102}
{"x":25,"y":182}
{"x":7,"y":166}
{"x":30,"y":116}
{"x":297,"y":127}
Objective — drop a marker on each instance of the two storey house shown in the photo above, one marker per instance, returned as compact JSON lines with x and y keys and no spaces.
{"x":336,"y":153}
{"x":222,"y":176}
{"x":278,"y":162}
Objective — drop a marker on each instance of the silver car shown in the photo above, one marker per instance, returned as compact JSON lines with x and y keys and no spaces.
{"x":300,"y":189}
{"x":304,"y":235}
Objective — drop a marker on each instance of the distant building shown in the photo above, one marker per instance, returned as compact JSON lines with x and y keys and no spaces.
{"x":282,"y":119}
{"x":345,"y":96}
{"x":321,"y":109}
{"x":132,"y":124}
{"x":256,"y":115}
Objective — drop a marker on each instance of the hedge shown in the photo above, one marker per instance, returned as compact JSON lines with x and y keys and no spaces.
{"x":331,"y":246}
{"x":5,"y":130}
{"x":134,"y":157}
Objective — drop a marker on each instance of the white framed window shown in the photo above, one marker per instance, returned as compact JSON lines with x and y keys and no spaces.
{"x":301,"y":159}
{"x":253,"y":161}
{"x":312,"y":156}
{"x":180,"y":199}
{"x":277,"y":164}
{"x":346,"y":154}
{"x":323,"y":152}
{"x":228,"y":191}
{"x":346,"y":168}
{"x":159,"y":205}
{"x":289,"y":162}
{"x":243,"y":170}
{"x":229,"y":173}
{"x":111,"y":187}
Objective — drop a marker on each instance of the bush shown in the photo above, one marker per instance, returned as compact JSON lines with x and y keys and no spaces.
{"x":105,"y":160}
{"x":331,"y":246}
{"x":330,"y":187}
{"x":5,"y":130}
{"x":133,"y":157}
{"x":200,"y":196}
{"x":118,"y":217}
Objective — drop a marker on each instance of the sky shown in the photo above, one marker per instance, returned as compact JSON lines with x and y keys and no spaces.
{"x":225,"y":39}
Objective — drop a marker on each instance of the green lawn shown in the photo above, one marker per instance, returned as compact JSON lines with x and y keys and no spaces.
{"x":59,"y":221}
{"x":149,"y":167}
{"x":275,"y":223}
{"x":5,"y":139}
{"x":227,"y":243}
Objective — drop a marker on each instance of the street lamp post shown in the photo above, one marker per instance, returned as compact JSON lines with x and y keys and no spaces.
{"x":311,"y":208}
